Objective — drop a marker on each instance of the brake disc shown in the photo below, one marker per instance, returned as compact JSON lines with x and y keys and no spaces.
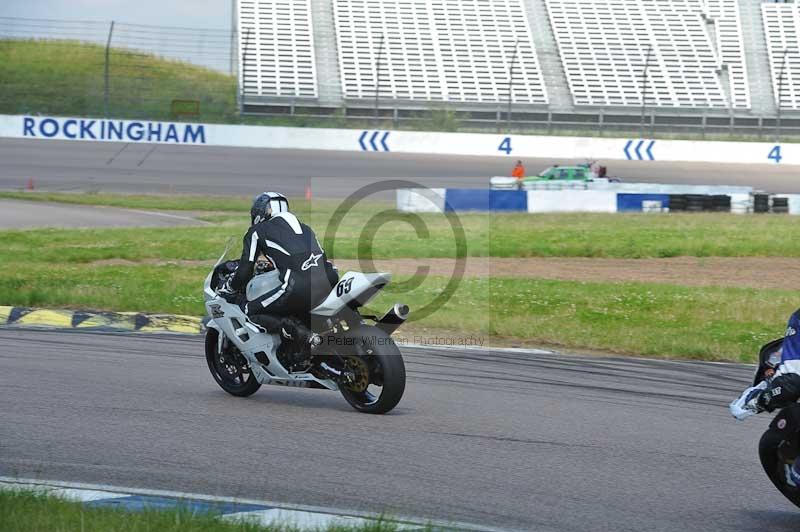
{"x":360,"y":371}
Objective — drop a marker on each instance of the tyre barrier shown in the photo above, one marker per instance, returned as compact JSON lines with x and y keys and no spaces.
{"x":780,"y":205}
{"x":760,"y":203}
{"x":594,"y":200}
{"x":699,"y":203}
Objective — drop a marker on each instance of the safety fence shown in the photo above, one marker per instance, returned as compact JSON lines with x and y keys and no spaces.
{"x":86,"y":68}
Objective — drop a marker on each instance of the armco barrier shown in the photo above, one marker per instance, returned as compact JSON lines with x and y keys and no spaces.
{"x":629,"y":187}
{"x":501,"y":145}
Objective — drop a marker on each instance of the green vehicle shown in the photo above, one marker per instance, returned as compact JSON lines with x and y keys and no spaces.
{"x":578,"y":173}
{"x":564,"y":173}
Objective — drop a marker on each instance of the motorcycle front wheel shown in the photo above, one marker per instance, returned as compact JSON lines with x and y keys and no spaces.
{"x":380,"y":374}
{"x":770,"y":453}
{"x":229,"y":369}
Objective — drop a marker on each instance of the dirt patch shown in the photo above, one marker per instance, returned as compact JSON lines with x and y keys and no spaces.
{"x":152,"y":262}
{"x":753,"y":272}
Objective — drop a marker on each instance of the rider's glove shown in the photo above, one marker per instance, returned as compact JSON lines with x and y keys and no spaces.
{"x":226,"y":292}
{"x":748,"y":403}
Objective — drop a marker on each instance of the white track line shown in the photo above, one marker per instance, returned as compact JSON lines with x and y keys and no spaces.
{"x":168,"y":215}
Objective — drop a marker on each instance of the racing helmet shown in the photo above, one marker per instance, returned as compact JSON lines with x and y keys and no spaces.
{"x":266,"y":204}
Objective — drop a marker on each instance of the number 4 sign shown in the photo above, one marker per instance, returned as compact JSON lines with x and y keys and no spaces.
{"x":505,"y":146}
{"x":775,"y":154}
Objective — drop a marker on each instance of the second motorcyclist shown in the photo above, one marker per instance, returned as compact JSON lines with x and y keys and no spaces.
{"x":780,"y":389}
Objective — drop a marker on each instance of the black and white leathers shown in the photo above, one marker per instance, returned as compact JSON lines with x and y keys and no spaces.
{"x":305,"y":273}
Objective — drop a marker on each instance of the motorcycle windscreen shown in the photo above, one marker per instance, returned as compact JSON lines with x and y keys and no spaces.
{"x":768,"y":358}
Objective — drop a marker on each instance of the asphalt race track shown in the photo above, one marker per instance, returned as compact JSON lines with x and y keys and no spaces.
{"x":517,"y":441}
{"x":27,"y":214}
{"x":520,"y":441}
{"x":147,"y":168}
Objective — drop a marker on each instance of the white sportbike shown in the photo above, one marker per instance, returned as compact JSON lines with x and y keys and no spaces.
{"x":357,"y":358}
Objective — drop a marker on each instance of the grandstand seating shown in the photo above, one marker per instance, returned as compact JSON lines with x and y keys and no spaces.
{"x":782,"y":29}
{"x":730,"y":48}
{"x":477,"y":40}
{"x":276,"y":54}
{"x":453,"y":50}
{"x":604,"y":46}
{"x":459,"y":51}
{"x":409,"y":66}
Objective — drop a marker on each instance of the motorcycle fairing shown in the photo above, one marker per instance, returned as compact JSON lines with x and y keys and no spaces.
{"x":354,"y":289}
{"x":230,"y":320}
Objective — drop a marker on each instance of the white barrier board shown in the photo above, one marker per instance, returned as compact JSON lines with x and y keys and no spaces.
{"x":572,"y":201}
{"x":420,"y":199}
{"x":513,"y":146}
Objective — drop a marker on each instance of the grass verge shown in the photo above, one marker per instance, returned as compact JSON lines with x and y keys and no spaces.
{"x":394,"y":236}
{"x":108,"y":269}
{"x":707,"y":323}
{"x":67,"y":78}
{"x":23,"y":511}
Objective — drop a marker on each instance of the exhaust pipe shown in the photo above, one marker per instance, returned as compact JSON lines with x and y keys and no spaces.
{"x":393,"y":319}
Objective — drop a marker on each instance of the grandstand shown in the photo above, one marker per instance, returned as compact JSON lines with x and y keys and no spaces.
{"x":276,"y":49}
{"x":782,"y":27}
{"x":729,"y":63}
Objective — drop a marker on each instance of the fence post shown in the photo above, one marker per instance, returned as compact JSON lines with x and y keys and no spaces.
{"x":644,"y":85}
{"x":652,"y":124}
{"x":600,"y":123}
{"x":106,"y":89}
{"x":780,"y":97}
{"x":376,"y":115}
{"x":511,"y":85}
{"x":243,"y":71}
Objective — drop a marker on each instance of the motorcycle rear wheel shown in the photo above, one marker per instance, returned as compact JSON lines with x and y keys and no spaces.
{"x":377,"y":363}
{"x":232,"y":375}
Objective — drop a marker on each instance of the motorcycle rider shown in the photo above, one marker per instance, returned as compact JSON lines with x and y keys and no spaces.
{"x":306,"y":276}
{"x":780,"y":389}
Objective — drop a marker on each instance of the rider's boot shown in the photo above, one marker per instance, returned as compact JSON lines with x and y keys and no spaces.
{"x":270,"y":323}
{"x":793,"y":473}
{"x":300,"y":340}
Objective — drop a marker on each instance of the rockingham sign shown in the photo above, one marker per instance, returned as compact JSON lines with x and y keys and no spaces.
{"x":644,"y":151}
{"x":112,"y":130}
